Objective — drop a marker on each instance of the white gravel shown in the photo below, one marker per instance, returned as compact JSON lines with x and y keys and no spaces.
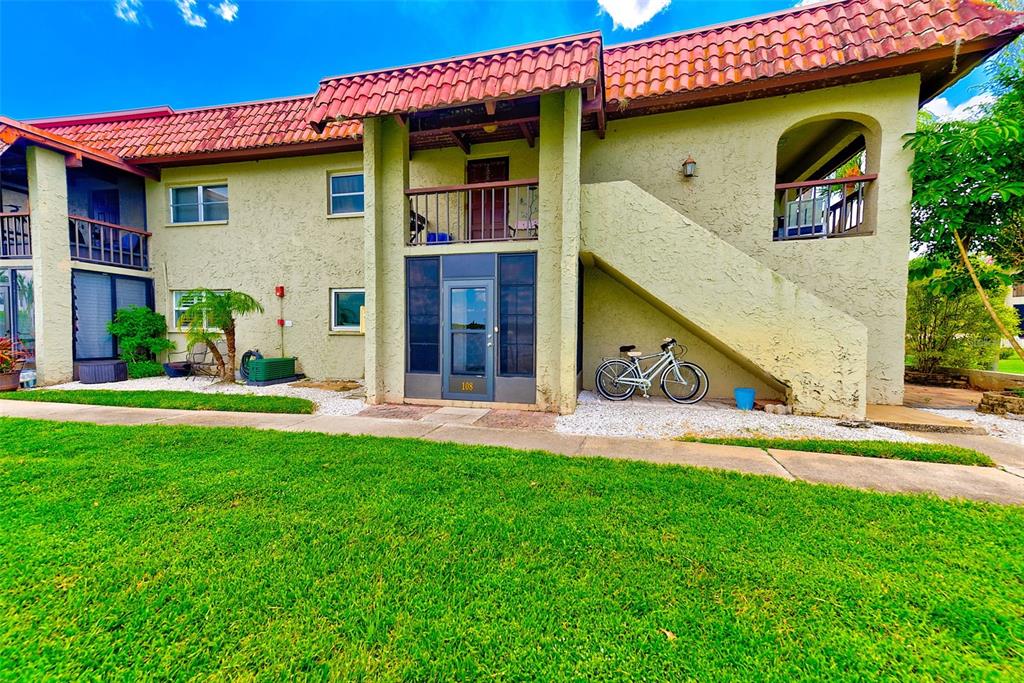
{"x":1007,"y":429}
{"x":659,"y":419}
{"x":328,"y":402}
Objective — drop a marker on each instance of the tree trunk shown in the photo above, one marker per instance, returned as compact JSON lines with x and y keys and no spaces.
{"x":984,"y":297}
{"x":217,"y":357}
{"x":229,"y":340}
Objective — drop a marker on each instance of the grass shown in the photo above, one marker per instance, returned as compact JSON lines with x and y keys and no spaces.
{"x":159,"y":552}
{"x":924,"y":452}
{"x":181,"y":400}
{"x":1012,"y":365}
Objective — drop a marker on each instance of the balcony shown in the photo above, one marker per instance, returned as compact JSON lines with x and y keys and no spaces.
{"x":815,"y":209}
{"x":15,"y":235}
{"x":108,"y":243}
{"x":481,"y":212}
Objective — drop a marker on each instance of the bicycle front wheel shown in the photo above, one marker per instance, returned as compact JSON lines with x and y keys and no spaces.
{"x":684,"y":383}
{"x":609,"y":379}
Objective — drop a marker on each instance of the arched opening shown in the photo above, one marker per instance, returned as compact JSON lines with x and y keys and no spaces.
{"x":824,"y":173}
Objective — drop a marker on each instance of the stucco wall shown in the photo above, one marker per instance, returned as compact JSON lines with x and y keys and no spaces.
{"x":278,"y":233}
{"x":733,"y":196}
{"x":784,"y":330}
{"x":437,"y":167}
{"x":613,"y":316}
{"x":51,"y":265}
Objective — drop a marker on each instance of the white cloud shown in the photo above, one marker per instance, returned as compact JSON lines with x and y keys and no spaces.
{"x":631,"y":14}
{"x":186,"y":7}
{"x":968,"y":110}
{"x":127,"y":10}
{"x":226,"y":10}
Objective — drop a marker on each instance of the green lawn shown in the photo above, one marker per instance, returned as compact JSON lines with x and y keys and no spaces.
{"x":926,"y":452}
{"x":1012,"y":365}
{"x":182,"y":400}
{"x":174,"y":552}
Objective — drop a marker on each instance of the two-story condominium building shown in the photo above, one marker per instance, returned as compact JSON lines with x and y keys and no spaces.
{"x":488,"y":227}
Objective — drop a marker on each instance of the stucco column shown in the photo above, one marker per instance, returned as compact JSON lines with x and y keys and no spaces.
{"x":558,"y":250}
{"x":386,"y":223}
{"x":51,"y":265}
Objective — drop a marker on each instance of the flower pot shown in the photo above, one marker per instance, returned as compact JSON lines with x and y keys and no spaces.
{"x":9,"y":380}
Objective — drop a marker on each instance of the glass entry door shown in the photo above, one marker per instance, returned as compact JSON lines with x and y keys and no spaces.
{"x":468,"y":353}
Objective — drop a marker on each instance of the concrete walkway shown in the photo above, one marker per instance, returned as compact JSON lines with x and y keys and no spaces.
{"x":456,"y":425}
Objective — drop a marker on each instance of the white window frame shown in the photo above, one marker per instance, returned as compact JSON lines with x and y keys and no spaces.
{"x":175,"y":309}
{"x":331,"y":194}
{"x":358,"y":327}
{"x":199,"y":198}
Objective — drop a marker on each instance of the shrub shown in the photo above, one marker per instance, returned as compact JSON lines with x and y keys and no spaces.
{"x":947,"y":324}
{"x":12,"y":355}
{"x":141,"y":334}
{"x":1006,"y":353}
{"x":144,"y":368}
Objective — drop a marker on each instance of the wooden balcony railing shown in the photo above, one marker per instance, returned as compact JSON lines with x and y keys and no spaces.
{"x":482,"y":212}
{"x":822,"y":208}
{"x":15,"y":235}
{"x":108,"y":243}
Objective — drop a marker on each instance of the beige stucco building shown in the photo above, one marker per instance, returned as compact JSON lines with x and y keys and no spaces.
{"x":489,"y":228}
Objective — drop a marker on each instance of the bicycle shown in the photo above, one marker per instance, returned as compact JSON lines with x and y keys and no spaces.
{"x":683,"y":382}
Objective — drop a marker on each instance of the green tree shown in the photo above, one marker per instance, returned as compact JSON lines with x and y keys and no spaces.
{"x":968,"y":195}
{"x":211,"y":315}
{"x":141,"y":334}
{"x":947,"y":323}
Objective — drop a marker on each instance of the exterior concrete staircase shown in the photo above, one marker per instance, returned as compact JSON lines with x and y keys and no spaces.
{"x":815,"y":350}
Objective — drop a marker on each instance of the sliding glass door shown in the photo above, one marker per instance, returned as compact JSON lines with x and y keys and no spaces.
{"x":97,"y":297}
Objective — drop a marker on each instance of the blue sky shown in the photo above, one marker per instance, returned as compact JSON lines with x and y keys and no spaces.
{"x":60,"y":58}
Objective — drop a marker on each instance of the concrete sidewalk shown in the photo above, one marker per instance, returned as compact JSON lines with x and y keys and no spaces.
{"x":949,"y":481}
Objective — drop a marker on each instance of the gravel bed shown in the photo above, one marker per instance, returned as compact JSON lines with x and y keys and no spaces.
{"x":1007,"y":429}
{"x":660,"y":419}
{"x":327,"y":402}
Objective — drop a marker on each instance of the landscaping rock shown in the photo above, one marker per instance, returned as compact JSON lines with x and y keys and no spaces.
{"x":1001,"y":403}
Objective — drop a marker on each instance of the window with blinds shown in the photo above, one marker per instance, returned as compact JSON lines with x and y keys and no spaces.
{"x":183,"y":299}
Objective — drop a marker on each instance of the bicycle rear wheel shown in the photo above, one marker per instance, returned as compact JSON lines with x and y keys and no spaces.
{"x":608,"y":379}
{"x":684,"y":383}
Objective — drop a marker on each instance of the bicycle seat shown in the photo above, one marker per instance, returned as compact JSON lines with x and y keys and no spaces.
{"x":625,"y":349}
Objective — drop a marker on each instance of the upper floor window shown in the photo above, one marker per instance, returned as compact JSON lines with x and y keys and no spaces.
{"x":347,"y":194}
{"x":199,"y":204}
{"x":823,"y":187}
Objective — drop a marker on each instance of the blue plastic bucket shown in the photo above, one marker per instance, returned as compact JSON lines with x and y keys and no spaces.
{"x":744,"y":398}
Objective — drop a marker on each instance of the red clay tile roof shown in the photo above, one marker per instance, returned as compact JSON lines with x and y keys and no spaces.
{"x":11,"y":131}
{"x":569,"y":62}
{"x":151,"y":133}
{"x":804,"y":39}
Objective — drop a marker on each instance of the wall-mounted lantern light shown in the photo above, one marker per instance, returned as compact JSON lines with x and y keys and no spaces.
{"x":689,"y":167}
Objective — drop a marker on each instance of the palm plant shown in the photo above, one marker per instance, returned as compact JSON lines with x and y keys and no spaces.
{"x":212,"y":314}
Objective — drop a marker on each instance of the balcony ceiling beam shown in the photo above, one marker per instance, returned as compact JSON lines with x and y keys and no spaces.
{"x":460,"y":141}
{"x":524,"y":128}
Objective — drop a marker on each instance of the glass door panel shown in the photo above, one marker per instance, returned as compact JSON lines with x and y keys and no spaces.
{"x":469,"y":341}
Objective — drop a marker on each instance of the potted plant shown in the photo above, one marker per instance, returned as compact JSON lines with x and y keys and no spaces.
{"x":12,"y":357}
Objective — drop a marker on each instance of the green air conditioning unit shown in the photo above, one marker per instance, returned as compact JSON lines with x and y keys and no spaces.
{"x":270,"y":369}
